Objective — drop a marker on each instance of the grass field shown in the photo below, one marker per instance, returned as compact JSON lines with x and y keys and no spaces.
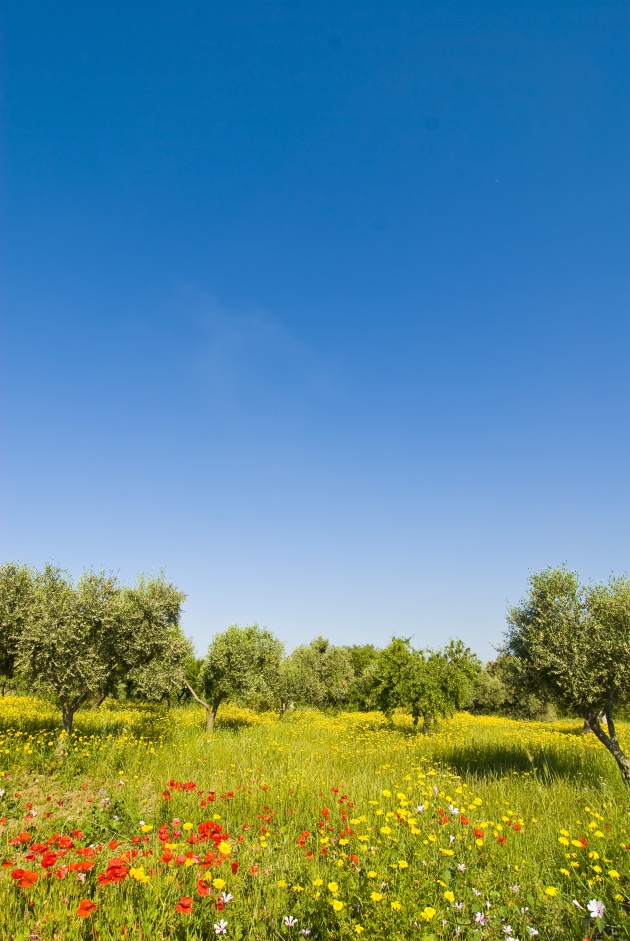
{"x":314,"y":826}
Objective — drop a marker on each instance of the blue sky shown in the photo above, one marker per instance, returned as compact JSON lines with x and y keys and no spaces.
{"x":321,"y":307}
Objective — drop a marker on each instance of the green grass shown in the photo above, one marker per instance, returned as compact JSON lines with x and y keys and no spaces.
{"x":352,"y":783}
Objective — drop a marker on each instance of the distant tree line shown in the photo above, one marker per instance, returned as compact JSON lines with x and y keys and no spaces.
{"x":567,"y":650}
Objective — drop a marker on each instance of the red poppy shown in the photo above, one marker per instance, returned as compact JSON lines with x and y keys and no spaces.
{"x":17,"y":874}
{"x":86,"y":907}
{"x":28,"y":879}
{"x":48,"y":860}
{"x":202,"y":888}
{"x":464,"y":820}
{"x":501,"y":839}
{"x":479,"y":833}
{"x":234,"y":866}
{"x":184,"y":905}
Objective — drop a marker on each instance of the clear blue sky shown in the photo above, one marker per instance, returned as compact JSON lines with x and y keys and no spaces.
{"x":322,"y":307}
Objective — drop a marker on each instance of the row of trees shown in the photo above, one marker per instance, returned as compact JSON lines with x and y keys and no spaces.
{"x":248,"y":664}
{"x":81,"y":642}
{"x":567,"y":646}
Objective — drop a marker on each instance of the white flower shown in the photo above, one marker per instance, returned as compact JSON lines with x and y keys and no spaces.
{"x":305,"y":932}
{"x":221,"y":928}
{"x":514,"y":888}
{"x":477,"y":892}
{"x":141,"y":823}
{"x":451,"y":839}
{"x":289,"y":921}
{"x":421,"y":809}
{"x":596,"y":908}
{"x":1,"y":792}
{"x":454,"y":810}
{"x":461,"y":867}
{"x":507,"y":929}
{"x":226,"y":897}
{"x":481,"y":918}
{"x":576,"y":903}
{"x":532,"y":932}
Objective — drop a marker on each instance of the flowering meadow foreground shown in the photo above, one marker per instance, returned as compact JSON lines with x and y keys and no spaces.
{"x":314,"y":826}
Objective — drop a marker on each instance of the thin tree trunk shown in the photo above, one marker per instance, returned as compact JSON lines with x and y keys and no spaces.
{"x":211,"y":710}
{"x":610,"y":741}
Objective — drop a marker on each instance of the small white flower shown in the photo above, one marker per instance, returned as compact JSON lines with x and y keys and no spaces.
{"x":451,"y":839}
{"x":1,"y":792}
{"x":480,"y":918}
{"x":289,"y":921}
{"x":507,"y":929}
{"x":221,"y":928}
{"x":461,"y":867}
{"x":577,"y":904}
{"x":454,"y":810}
{"x":596,"y":908}
{"x":532,"y":932}
{"x":226,"y":897}
{"x":141,"y":823}
{"x":305,"y":932}
{"x":477,"y":892}
{"x":514,"y":888}
{"x":421,"y":809}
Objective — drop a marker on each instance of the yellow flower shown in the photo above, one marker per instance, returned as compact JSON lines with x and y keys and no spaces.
{"x":333,"y":887}
{"x":218,"y":884}
{"x":386,"y":793}
{"x":282,"y":884}
{"x":403,"y":864}
{"x":371,"y":874}
{"x":138,"y":874}
{"x":565,"y":872}
{"x":224,"y":848}
{"x":396,"y":906}
{"x":358,"y":929}
{"x":551,"y":890}
{"x":298,"y":888}
{"x":428,"y":913}
{"x":343,"y":842}
{"x":376,"y":897}
{"x":449,"y":897}
{"x":597,"y":869}
{"x":146,"y":828}
{"x":318,"y":882}
{"x":613,"y":873}
{"x":187,"y":826}
{"x":337,"y":905}
{"x":386,"y":830}
{"x":564,"y":841}
{"x":479,"y":841}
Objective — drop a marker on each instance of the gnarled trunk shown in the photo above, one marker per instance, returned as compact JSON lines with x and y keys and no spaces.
{"x":610,"y":741}
{"x":211,"y":710}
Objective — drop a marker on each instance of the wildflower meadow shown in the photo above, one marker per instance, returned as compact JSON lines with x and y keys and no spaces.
{"x":142,"y":825}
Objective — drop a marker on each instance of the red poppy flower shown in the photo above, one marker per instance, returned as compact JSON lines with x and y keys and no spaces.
{"x":86,"y":907}
{"x":184,"y":905}
{"x":28,"y":879}
{"x":501,"y":839}
{"x":464,"y":820}
{"x":479,"y":833}
{"x":202,"y":888}
{"x":234,"y":866}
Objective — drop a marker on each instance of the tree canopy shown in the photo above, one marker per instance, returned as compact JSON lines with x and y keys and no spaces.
{"x":573,"y":643}
{"x":77,"y":641}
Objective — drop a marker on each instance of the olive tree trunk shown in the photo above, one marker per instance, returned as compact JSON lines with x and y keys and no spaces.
{"x":610,"y":741}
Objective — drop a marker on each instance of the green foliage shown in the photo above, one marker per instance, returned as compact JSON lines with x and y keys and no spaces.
{"x":498,"y":690}
{"x":429,"y":684}
{"x":16,"y":597}
{"x":77,"y":642}
{"x":318,"y":674}
{"x":242,"y":663}
{"x":573,"y":644}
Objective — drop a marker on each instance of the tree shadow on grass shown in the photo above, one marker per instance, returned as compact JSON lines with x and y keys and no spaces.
{"x":546,"y":764}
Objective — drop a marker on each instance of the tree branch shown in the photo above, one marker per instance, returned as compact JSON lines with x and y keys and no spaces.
{"x":195,"y":696}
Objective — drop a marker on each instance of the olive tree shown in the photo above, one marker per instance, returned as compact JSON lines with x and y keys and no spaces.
{"x":16,"y":595}
{"x":572,"y":643}
{"x":318,"y":674}
{"x":78,"y":641}
{"x":429,"y":684}
{"x":241,"y":663}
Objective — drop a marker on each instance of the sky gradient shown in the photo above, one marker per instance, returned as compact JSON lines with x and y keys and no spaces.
{"x":323,"y":308}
